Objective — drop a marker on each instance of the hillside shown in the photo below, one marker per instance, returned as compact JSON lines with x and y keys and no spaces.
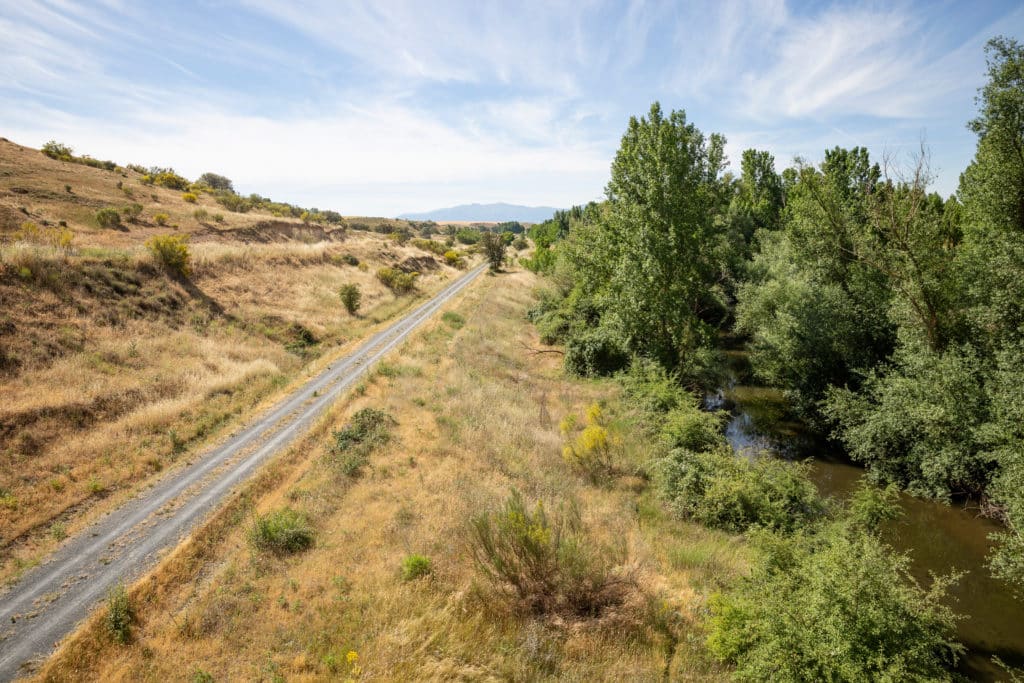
{"x":114,"y":368}
{"x":485,"y":213}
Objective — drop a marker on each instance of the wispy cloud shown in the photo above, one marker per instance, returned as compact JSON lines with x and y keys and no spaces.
{"x":380,"y":106}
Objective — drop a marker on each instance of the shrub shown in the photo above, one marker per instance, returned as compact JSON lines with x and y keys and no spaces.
{"x":67,"y":188}
{"x":591,"y":450}
{"x":132,"y":212}
{"x":834,"y":606}
{"x":56,"y":150}
{"x":454,"y":258}
{"x":108,"y":218}
{"x":170,"y":251}
{"x":233,"y":202}
{"x":453,"y":319}
{"x":520,"y":243}
{"x":350,"y":297}
{"x":201,"y":215}
{"x":189,"y":197}
{"x":216,"y":181}
{"x":218,"y":217}
{"x":59,"y":238}
{"x":368,"y":429}
{"x":721,"y":490}
{"x":594,"y":351}
{"x":283,"y":531}
{"x":544,"y":563}
{"x":468,"y":236}
{"x":160,"y":218}
{"x":687,"y":426}
{"x":171,"y":180}
{"x":119,"y":615}
{"x":350,"y":260}
{"x":397,"y":281}
{"x":415,"y":567}
{"x":401,"y":236}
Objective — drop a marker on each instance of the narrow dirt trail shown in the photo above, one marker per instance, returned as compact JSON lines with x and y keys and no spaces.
{"x":52,"y":599}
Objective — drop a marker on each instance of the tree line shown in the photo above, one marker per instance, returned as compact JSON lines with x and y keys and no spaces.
{"x":892,"y":317}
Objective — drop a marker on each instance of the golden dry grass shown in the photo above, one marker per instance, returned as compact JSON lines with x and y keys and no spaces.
{"x":477,"y":415}
{"x":113,"y":371}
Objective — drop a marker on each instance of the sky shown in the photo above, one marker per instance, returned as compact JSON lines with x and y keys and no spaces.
{"x":380,"y":108}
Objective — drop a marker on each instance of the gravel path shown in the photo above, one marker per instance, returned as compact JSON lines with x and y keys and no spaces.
{"x":52,"y":599}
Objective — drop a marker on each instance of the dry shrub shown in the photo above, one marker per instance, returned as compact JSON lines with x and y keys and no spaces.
{"x":546,"y":563}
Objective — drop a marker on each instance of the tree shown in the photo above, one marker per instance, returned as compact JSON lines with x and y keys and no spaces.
{"x":351,"y":297}
{"x":650,"y":260}
{"x":494,"y":248}
{"x":217,"y":181}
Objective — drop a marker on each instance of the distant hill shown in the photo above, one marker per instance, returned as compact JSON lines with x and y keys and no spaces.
{"x":485,"y":213}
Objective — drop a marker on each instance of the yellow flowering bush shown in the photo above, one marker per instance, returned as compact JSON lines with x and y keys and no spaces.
{"x":591,"y":450}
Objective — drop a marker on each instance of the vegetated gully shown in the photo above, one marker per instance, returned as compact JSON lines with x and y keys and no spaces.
{"x":939,"y":538}
{"x":49,"y":601}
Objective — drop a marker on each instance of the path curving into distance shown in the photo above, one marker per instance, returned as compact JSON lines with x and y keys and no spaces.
{"x":51,"y":600}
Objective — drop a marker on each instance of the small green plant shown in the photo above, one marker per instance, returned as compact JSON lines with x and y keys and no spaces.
{"x":350,"y":259}
{"x":200,"y":676}
{"x":96,"y":486}
{"x":218,"y":217}
{"x":368,"y":429}
{"x":108,"y":218}
{"x":201,"y":215}
{"x":119,"y":615}
{"x":160,"y":218}
{"x":351,"y":297}
{"x":453,"y":258}
{"x":170,"y":251}
{"x":67,"y":188}
{"x":58,"y":531}
{"x":132,"y":212}
{"x":415,"y":567}
{"x":453,"y":319}
{"x":189,"y":197}
{"x":284,"y":531}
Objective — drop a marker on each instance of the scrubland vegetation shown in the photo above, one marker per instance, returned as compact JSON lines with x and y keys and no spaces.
{"x":127,"y":345}
{"x":533,"y":489}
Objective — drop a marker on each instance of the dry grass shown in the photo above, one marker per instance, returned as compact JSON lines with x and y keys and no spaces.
{"x":476,"y":417}
{"x":112,"y":371}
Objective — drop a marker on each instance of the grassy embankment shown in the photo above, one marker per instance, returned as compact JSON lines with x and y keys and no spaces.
{"x":476,"y":416}
{"x":113,"y":370}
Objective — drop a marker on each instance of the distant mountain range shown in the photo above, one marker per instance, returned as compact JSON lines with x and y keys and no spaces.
{"x":485,"y":213}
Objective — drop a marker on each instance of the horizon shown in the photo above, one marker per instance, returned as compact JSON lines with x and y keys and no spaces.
{"x":363,"y":109}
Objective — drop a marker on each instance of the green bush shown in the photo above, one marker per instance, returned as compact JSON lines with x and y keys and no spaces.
{"x":454,"y":258}
{"x":119,"y":615}
{"x":349,"y":259}
{"x":132,"y":212}
{"x":218,"y":217}
{"x":590,"y":451}
{"x":687,"y":426}
{"x":430,"y":245}
{"x":722,"y":490}
{"x":216,"y":181}
{"x":284,"y":531}
{"x":56,"y":150}
{"x":468,"y":236}
{"x":453,"y":319}
{"x":593,"y":352}
{"x":160,"y":218}
{"x":189,"y":197}
{"x":368,"y":429}
{"x":201,"y":215}
{"x":233,"y":202}
{"x":837,"y":605}
{"x":108,"y":218}
{"x":350,"y":297}
{"x":171,"y":180}
{"x":415,"y":567}
{"x":170,"y":251}
{"x":396,"y":280}
{"x":544,"y":563}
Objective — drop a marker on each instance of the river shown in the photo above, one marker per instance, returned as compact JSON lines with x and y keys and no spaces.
{"x":939,"y":538}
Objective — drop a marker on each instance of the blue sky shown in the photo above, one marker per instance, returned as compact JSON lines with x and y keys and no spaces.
{"x":379,"y":108}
